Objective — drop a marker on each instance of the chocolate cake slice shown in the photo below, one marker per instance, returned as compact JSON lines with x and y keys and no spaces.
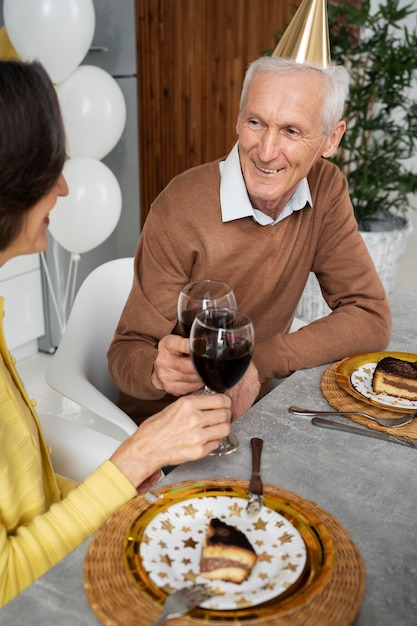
{"x":396,"y":377}
{"x":227,"y":554}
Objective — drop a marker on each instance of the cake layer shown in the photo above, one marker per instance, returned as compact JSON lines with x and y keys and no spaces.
{"x":227,"y":554}
{"x":396,"y":377}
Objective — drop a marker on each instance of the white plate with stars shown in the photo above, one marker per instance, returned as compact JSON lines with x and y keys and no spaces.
{"x":171,"y":544}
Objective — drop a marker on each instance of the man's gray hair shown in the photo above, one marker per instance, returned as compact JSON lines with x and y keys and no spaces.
{"x":335,"y":84}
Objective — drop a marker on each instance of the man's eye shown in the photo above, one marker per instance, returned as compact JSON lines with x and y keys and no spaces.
{"x":293,"y":133}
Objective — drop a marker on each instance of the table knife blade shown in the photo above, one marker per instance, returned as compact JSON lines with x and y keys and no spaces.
{"x":255,"y":498}
{"x":366,"y":432}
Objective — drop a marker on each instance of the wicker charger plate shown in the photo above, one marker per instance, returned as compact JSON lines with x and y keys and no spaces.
{"x":330,"y":591}
{"x":340,"y":400}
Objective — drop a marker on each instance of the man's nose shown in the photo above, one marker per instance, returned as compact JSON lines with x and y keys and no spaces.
{"x":269,"y":146}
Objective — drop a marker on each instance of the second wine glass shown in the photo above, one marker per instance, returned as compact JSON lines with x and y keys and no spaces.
{"x":200,"y":295}
{"x":221,"y":347}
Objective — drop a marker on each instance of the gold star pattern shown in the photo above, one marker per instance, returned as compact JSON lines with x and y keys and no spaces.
{"x":264,"y":556}
{"x":236,"y":510}
{"x":260,"y":524}
{"x":166,"y":559}
{"x":285,"y":538}
{"x":190,"y":510}
{"x":190,"y":576}
{"x":167,"y":525}
{"x":270,"y":585}
{"x":289,"y":567}
{"x":189,"y":543}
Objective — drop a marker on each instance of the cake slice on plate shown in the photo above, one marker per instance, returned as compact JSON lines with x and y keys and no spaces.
{"x":396,"y":377}
{"x":227,"y":554}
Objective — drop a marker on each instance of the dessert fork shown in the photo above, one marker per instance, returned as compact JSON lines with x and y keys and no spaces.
{"x":183,"y":600}
{"x":382,"y":421}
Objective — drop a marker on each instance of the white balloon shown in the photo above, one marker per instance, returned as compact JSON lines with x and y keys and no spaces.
{"x":94,"y":111}
{"x":89,"y":214}
{"x":58,"y":33}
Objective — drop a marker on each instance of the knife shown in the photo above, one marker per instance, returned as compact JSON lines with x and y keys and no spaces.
{"x":255,"y":499}
{"x":376,"y":434}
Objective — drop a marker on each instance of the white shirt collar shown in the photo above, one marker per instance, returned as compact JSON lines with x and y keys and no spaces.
{"x":235,"y":202}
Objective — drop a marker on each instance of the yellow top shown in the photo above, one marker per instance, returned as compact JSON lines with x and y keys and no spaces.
{"x":43,"y":516}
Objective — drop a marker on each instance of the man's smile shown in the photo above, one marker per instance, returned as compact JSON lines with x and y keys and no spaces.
{"x":265,"y":170}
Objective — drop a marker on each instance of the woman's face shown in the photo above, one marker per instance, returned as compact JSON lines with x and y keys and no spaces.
{"x":32,"y":237}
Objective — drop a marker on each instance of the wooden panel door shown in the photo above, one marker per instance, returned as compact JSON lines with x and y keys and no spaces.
{"x":192,"y":56}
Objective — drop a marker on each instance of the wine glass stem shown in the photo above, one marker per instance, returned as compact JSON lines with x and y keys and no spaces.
{"x":229,"y":443}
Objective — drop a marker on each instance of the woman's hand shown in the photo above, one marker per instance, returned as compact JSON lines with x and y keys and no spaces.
{"x":186,"y":430}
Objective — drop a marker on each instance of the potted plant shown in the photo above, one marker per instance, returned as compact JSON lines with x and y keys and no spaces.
{"x":379,"y":52}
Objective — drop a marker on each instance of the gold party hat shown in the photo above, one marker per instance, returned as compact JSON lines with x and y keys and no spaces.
{"x":306,"y":38}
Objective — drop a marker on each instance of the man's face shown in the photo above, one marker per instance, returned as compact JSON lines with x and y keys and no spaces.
{"x":280,"y":136}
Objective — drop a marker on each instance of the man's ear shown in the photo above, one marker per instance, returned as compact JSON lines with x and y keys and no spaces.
{"x":332,"y":142}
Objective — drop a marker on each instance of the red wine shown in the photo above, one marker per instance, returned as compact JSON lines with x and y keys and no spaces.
{"x":219,"y":365}
{"x":186,"y":320}
{"x":220,"y":317}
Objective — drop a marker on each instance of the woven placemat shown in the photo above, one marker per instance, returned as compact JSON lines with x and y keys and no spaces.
{"x":117,"y":601}
{"x":341,"y":400}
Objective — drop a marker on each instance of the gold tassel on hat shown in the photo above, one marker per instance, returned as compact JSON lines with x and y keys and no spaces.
{"x":306,"y":38}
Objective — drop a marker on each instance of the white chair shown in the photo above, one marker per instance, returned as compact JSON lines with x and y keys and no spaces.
{"x":76,"y":449}
{"x":78,"y":369}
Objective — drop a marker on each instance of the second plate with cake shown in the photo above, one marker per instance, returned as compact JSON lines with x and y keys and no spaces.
{"x":355,"y":374}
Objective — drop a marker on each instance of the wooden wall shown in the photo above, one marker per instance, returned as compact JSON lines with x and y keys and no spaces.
{"x":192,"y":56}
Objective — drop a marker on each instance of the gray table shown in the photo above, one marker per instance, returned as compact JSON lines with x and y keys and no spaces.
{"x":368,"y":485}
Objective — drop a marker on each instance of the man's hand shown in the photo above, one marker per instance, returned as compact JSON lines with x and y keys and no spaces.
{"x":245,"y":392}
{"x":173,"y":370}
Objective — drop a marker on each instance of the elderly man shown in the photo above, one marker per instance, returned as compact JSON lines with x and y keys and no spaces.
{"x":261,"y":219}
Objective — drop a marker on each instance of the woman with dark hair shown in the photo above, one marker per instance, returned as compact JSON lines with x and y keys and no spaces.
{"x":44,"y":516}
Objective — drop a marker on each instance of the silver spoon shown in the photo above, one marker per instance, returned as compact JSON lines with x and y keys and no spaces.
{"x":382,"y":421}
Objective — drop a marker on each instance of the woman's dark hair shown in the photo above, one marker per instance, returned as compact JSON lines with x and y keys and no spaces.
{"x":32,"y":142}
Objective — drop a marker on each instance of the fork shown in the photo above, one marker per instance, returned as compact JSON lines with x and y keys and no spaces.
{"x":183,"y":600}
{"x":382,"y":421}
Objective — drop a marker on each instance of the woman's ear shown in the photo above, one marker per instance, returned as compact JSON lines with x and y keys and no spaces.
{"x":333,"y":139}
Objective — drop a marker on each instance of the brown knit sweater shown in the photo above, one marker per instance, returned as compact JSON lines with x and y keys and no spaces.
{"x":185,"y":239}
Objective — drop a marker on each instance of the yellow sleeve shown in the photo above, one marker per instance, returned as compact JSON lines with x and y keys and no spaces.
{"x":65,"y":485}
{"x":32,"y":549}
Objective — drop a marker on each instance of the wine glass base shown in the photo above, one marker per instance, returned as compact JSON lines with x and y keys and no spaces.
{"x":227,"y":446}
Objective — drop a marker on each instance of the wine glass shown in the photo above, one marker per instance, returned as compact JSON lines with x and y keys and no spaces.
{"x":221,"y":347}
{"x":199,"y":295}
